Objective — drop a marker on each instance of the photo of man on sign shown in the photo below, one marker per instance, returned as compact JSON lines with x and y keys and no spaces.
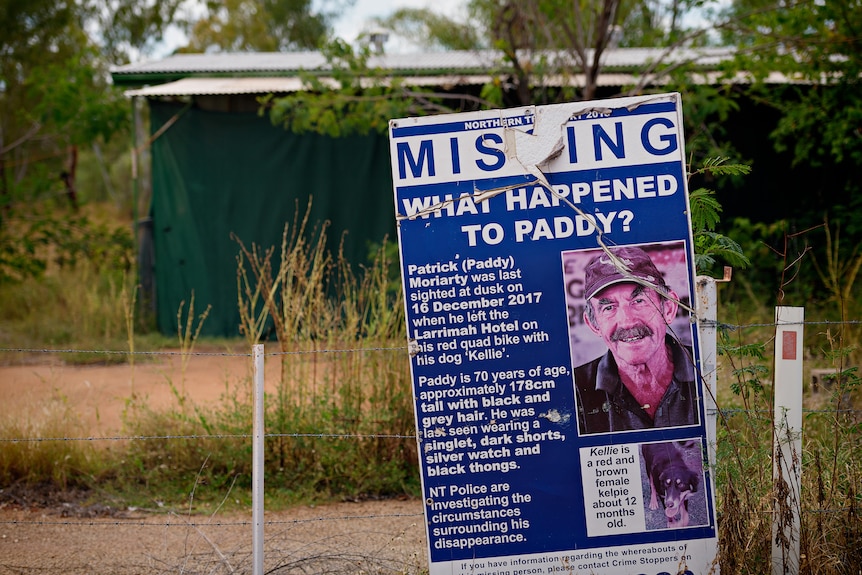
{"x":646,"y":378}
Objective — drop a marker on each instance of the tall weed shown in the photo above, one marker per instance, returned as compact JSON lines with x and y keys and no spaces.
{"x":831,"y":506}
{"x":43,"y":455}
{"x":341,"y":419}
{"x":78,"y":306}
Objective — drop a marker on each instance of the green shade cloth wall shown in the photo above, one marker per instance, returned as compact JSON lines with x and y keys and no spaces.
{"x":218,"y":173}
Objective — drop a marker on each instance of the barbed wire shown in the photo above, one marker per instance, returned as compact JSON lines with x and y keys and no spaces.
{"x":727,"y":412}
{"x":739,"y":410}
{"x":319,"y":519}
{"x":199,"y":353}
{"x":186,"y":523}
{"x":211,"y":436}
{"x":703,"y":323}
{"x":737,"y":327}
{"x":182,"y":521}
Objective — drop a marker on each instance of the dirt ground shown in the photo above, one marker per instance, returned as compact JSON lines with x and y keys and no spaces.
{"x":96,"y":395}
{"x":364,"y":537}
{"x":55,"y":534}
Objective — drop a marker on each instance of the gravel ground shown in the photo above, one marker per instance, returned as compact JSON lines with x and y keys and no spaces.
{"x":363,"y":537}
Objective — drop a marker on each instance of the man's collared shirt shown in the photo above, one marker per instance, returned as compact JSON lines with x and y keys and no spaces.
{"x":605,"y":404}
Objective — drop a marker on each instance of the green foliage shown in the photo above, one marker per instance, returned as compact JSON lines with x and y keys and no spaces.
{"x":706,"y":110}
{"x":536,"y":40}
{"x":818,"y":124}
{"x":816,"y":44}
{"x":45,"y":236}
{"x":540,"y":38}
{"x":710,"y":245}
{"x":362,"y":99}
{"x":127,"y":25}
{"x":54,"y":100}
{"x":719,"y":167}
{"x":705,"y":209}
{"x":831,"y":528}
{"x":28,"y":28}
{"x":258,"y":26}
{"x":68,"y":96}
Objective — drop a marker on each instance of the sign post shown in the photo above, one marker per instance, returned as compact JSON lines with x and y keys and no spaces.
{"x":547,"y":261}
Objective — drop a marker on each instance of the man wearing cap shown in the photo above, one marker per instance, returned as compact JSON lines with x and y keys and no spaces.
{"x":646,"y":379}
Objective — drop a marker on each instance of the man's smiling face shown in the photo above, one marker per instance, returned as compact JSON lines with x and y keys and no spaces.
{"x":632,"y":320}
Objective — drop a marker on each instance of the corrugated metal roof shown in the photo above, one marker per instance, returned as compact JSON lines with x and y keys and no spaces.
{"x":226,"y":63}
{"x":289,"y":63}
{"x":277,"y":72}
{"x":220,"y":86}
{"x":280,"y":84}
{"x":273,"y":85}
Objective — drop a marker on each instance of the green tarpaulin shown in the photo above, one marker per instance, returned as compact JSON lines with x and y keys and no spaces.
{"x":217,"y":174}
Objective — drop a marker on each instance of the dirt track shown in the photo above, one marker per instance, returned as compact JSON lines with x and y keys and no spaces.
{"x":64,"y":537}
{"x":96,"y":396}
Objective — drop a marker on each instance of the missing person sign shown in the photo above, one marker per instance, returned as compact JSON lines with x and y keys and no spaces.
{"x":547,"y":265}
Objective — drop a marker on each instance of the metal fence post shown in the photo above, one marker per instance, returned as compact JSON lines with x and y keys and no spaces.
{"x":787,"y":447}
{"x":707,"y":313}
{"x":257,"y":462}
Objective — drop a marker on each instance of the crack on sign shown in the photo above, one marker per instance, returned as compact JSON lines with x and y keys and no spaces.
{"x":545,"y":142}
{"x":532,"y":150}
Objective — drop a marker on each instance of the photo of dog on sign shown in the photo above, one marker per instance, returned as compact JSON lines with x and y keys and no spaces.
{"x":672,"y":482}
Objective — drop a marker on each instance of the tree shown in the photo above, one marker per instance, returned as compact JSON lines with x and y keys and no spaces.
{"x":550,"y":51}
{"x":56,"y":103}
{"x":36,"y":37}
{"x":817,"y":46}
{"x":560,"y":37}
{"x":55,"y":96}
{"x":432,"y":31}
{"x":260,"y":25}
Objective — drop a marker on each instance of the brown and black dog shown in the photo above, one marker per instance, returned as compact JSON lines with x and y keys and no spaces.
{"x":670,"y":480}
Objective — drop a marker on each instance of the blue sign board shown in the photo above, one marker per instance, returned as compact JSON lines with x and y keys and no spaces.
{"x":547,"y":262}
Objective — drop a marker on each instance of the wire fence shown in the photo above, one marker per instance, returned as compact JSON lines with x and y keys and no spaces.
{"x":388,"y":538}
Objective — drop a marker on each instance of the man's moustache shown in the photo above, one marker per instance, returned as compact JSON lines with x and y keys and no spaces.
{"x":631,"y":332}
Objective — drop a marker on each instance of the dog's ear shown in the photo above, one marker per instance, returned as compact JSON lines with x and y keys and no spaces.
{"x":693,"y":482}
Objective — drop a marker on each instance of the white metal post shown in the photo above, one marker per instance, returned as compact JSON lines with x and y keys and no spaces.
{"x":257,"y":462}
{"x":707,"y":312}
{"x":787,"y":449}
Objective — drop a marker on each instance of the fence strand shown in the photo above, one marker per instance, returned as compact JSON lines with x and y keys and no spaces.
{"x":137,"y":523}
{"x":211,"y":436}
